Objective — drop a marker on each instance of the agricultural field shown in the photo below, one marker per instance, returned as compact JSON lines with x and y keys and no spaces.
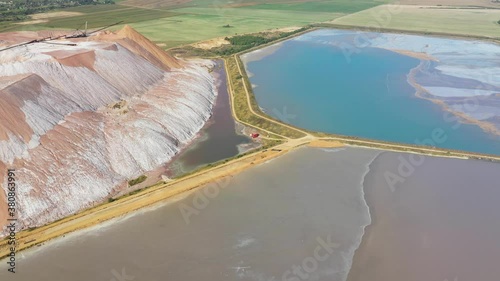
{"x":152,"y":4}
{"x":339,"y":6}
{"x":237,"y":3}
{"x":171,"y":23}
{"x":454,"y":3}
{"x":204,"y":23}
{"x":472,"y":22}
{"x":96,"y":16}
{"x":17,"y":10}
{"x":200,"y":3}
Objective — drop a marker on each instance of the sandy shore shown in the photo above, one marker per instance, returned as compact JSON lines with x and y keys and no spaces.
{"x":417,"y":55}
{"x":325,"y":144}
{"x":212,"y":43}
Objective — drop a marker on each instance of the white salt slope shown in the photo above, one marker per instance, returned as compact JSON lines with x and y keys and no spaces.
{"x":71,"y":143}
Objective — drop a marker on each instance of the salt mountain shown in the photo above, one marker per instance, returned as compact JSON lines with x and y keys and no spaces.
{"x":77,"y":122}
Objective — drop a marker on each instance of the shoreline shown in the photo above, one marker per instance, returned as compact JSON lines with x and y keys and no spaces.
{"x":111,"y":179}
{"x":385,"y":145}
{"x":367,"y":230}
{"x":156,"y":175}
{"x":158,"y":221}
{"x":329,"y":25}
{"x":417,"y":55}
{"x":149,"y":197}
{"x":489,"y":128}
{"x":325,"y":144}
{"x":371,"y":217}
{"x":463,"y":117}
{"x":399,"y":224}
{"x":259,"y":54}
{"x":175,"y":168}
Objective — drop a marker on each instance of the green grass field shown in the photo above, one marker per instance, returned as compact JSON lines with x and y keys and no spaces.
{"x":474,"y":22}
{"x":221,"y":3}
{"x":338,"y":6}
{"x":204,"y":19}
{"x":201,"y":19}
{"x":96,"y":16}
{"x":199,"y":24}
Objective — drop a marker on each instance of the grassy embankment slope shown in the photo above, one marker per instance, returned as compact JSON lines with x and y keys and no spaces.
{"x":246,"y":109}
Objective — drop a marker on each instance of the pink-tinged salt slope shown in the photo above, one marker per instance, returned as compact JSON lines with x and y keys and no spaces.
{"x":77,"y":122}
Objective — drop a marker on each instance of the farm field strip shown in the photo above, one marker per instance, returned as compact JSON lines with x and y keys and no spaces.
{"x":472,"y":22}
{"x":199,"y":19}
{"x":339,"y":6}
{"x":207,"y":24}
